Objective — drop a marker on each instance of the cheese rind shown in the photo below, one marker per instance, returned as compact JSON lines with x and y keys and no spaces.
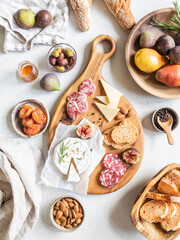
{"x":103,"y":99}
{"x":109,"y":112}
{"x":113,"y":94}
{"x":73,"y":176}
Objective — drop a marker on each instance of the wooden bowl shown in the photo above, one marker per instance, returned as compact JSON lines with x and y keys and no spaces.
{"x":145,"y":80}
{"x":152,"y":231}
{"x":59,"y":227}
{"x":17,"y":123}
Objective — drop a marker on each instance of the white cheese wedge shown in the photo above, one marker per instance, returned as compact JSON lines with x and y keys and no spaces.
{"x":108,"y":111}
{"x":113,"y":94}
{"x":103,"y":99}
{"x":73,"y":176}
{"x":71,"y":148}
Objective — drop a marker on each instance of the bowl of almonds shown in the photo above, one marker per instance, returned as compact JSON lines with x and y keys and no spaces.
{"x":67,"y":214}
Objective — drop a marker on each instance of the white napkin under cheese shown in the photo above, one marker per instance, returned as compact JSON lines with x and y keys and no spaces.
{"x":20,"y":193}
{"x":18,"y":39}
{"x":52,"y":177}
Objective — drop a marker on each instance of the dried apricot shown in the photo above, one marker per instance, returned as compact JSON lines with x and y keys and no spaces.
{"x":25,"y":111}
{"x":33,"y":129}
{"x":38,"y":116}
{"x":27,"y":121}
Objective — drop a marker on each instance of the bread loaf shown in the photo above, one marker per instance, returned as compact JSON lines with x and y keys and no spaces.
{"x":82,"y":11}
{"x":121,"y":10}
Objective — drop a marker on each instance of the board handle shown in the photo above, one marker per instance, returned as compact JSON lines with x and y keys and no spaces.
{"x":101,"y":38}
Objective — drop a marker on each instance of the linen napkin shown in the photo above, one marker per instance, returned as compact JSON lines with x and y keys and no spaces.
{"x":18,"y":39}
{"x":52,"y":177}
{"x":20,"y":193}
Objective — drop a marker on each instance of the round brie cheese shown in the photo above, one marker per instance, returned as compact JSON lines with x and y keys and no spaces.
{"x":71,"y":148}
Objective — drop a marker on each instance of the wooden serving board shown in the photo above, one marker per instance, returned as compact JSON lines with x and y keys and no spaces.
{"x":94,"y":71}
{"x":152,"y":231}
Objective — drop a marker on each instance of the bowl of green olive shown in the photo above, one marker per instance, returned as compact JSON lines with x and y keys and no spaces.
{"x":62,"y":57}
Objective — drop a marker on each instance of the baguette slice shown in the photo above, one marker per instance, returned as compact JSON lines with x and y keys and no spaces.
{"x":164,"y":197}
{"x":154,"y":211}
{"x":174,"y":175}
{"x":172,"y":223}
{"x":166,"y":185}
{"x":172,"y":210}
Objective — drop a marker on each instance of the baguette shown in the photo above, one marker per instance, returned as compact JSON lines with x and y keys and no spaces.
{"x":164,"y":197}
{"x":121,"y":10}
{"x":82,"y":12}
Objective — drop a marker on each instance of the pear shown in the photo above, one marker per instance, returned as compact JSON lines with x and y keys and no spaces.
{"x":25,"y":18}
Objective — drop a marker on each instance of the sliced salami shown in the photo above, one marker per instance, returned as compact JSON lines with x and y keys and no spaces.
{"x":109,"y":178}
{"x":77,"y":97}
{"x":114,"y":162}
{"x":88,"y":81}
{"x":87,"y":89}
{"x":72,"y":109}
{"x":83,"y":106}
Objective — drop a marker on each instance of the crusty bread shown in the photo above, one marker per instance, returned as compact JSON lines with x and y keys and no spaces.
{"x":126,"y":133}
{"x":166,"y":185}
{"x":121,"y":10}
{"x":174,"y":175}
{"x":172,"y":210}
{"x":82,"y":11}
{"x":172,"y":223}
{"x":154,"y":211}
{"x":164,"y":197}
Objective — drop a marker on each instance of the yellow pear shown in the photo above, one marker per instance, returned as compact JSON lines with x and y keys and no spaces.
{"x":148,"y":60}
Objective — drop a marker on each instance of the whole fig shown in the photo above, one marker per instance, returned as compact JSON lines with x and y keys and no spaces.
{"x":50,"y":82}
{"x":147,"y":40}
{"x":164,"y":44}
{"x":25,"y":18}
{"x":174,"y":55}
{"x":43,"y":18}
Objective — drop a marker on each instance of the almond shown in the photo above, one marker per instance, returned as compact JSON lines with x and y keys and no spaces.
{"x":57,"y":221}
{"x":58,"y":203}
{"x":59,"y":214}
{"x":69,"y":199}
{"x":63,"y":224}
{"x":70,"y":214}
{"x":78,"y":220}
{"x":63,"y":219}
{"x":80,"y":209}
{"x":73,"y":220}
{"x":79,"y":215}
{"x":76,"y":203}
{"x":73,"y":213}
{"x":66,"y":212}
{"x":68,"y":226}
{"x":74,"y":224}
{"x":68,"y":221}
{"x":54,"y":212}
{"x":56,"y":208}
{"x":76,"y":208}
{"x":65,"y":202}
{"x":62,"y":207}
{"x":71,"y":204}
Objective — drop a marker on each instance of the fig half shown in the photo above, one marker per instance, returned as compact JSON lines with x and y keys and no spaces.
{"x":85,"y":131}
{"x":131,"y":155}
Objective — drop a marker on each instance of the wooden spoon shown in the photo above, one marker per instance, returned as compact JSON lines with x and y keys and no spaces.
{"x":167,"y":126}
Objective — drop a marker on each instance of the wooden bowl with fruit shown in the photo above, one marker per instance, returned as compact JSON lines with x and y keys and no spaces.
{"x":153,"y":53}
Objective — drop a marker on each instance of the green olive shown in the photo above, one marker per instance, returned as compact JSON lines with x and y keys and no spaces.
{"x":58,"y":49}
{"x":55,"y":53}
{"x":68,"y":52}
{"x":60,"y":68}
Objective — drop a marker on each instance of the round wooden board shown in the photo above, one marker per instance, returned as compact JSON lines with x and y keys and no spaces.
{"x":152,"y":231}
{"x":144,"y":80}
{"x":94,"y":71}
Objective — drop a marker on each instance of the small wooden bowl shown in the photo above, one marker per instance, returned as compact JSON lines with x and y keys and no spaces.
{"x":152,"y":231}
{"x":59,"y":227}
{"x":17,"y":123}
{"x":145,"y":80}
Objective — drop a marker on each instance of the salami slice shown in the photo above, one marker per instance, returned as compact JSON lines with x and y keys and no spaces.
{"x":109,"y":178}
{"x":114,"y":162}
{"x":83,"y":106}
{"x":72,"y":109}
{"x":87,"y":89}
{"x":77,"y":97}
{"x":88,"y":81}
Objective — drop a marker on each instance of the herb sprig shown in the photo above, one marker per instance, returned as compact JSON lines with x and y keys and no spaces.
{"x":62,"y":151}
{"x":175,"y":19}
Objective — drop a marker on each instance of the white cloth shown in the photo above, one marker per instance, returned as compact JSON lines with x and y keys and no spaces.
{"x":52,"y":177}
{"x":20,"y":193}
{"x":18,"y":39}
